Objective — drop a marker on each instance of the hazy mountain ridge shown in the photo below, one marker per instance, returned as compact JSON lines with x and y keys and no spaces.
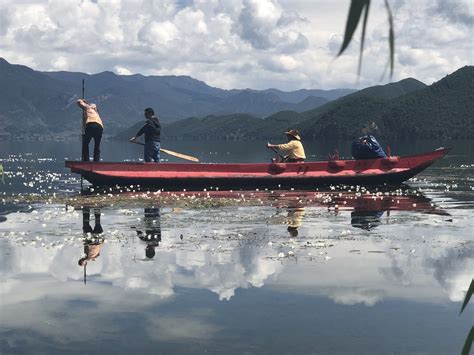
{"x":44,"y":102}
{"x":441,"y":110}
{"x":407,"y":109}
{"x":299,"y":95}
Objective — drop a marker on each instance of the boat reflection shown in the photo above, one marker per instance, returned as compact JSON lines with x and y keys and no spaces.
{"x":366,"y":219}
{"x":367,"y":209}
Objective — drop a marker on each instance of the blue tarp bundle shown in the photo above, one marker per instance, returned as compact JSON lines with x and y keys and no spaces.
{"x":367,"y":147}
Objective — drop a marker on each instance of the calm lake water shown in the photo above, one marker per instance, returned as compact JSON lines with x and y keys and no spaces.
{"x":342,"y":271}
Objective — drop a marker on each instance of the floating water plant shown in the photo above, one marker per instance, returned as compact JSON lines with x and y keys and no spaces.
{"x":2,"y":179}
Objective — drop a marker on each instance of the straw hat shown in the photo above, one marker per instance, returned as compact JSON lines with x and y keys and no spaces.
{"x":294,"y":133}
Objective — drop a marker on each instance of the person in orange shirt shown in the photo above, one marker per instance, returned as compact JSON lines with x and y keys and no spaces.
{"x":294,"y":148}
{"x":92,"y":127}
{"x":93,"y":240}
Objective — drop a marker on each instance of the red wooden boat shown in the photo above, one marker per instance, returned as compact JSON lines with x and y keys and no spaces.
{"x":177,"y":176}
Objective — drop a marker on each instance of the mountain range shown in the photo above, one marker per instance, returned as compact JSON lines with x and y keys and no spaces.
{"x":44,"y":102}
{"x":34,"y":102}
{"x":407,"y":109}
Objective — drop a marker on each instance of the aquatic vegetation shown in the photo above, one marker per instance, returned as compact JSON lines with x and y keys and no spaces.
{"x":2,"y":178}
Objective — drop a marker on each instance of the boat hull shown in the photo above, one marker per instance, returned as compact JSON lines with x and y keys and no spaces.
{"x":175,"y":176}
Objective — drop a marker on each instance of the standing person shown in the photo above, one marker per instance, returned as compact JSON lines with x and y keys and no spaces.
{"x":92,"y":127}
{"x":294,"y":148}
{"x":152,"y":131}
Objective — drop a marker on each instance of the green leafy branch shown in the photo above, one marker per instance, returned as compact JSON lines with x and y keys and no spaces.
{"x":356,"y":10}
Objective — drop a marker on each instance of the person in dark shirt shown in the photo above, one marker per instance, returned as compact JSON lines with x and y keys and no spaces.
{"x":152,"y":234}
{"x":151,"y":129}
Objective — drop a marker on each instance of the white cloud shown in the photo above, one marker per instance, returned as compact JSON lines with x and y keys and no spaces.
{"x":158,"y":33}
{"x":352,"y":296}
{"x":282,"y":63}
{"x":237,"y":43}
{"x":264,"y":25}
{"x":61,"y":63}
{"x":122,"y":71}
{"x":190,"y":21}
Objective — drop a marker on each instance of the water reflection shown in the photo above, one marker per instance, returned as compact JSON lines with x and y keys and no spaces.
{"x":7,"y":208}
{"x":152,"y":234}
{"x":93,"y":238}
{"x":295,"y":219}
{"x":366,"y":219}
{"x":262,"y":257}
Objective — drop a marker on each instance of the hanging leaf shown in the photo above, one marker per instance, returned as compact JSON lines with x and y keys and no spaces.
{"x":355,"y":11}
{"x":391,"y":37}
{"x":468,"y":344}
{"x":468,"y":296}
{"x":362,"y":36}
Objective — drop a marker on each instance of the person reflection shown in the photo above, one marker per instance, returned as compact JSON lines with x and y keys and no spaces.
{"x":152,"y":234}
{"x":294,"y":219}
{"x":366,"y":219}
{"x":93,"y":240}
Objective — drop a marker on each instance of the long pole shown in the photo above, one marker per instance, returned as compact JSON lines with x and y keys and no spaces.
{"x":82,"y":140}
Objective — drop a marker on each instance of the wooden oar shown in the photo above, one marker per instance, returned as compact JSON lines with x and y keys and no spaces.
{"x":277,"y":152}
{"x":170,"y":152}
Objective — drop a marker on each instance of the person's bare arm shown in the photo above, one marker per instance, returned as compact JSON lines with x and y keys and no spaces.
{"x":82,"y":103}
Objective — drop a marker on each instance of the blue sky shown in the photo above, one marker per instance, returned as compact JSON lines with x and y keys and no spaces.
{"x":286,"y":44}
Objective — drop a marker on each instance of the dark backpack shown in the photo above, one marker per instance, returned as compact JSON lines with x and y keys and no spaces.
{"x":367,"y":147}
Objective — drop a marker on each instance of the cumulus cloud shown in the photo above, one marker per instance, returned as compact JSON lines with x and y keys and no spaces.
{"x":122,"y":70}
{"x":460,"y":11}
{"x":158,"y":33}
{"x":236,"y":43}
{"x":282,"y":63}
{"x":264,"y":25}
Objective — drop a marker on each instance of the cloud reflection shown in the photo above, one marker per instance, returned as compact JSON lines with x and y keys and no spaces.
{"x":351,"y":265}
